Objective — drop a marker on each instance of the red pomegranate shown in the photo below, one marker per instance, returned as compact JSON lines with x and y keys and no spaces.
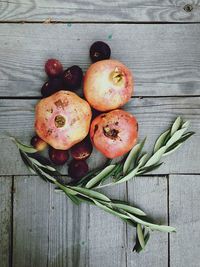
{"x":108,"y":84}
{"x":62,"y":119}
{"x":114,"y":133}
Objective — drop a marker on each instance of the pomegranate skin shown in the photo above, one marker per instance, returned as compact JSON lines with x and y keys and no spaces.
{"x":62,"y":119}
{"x":114,"y":133}
{"x":108,"y":85}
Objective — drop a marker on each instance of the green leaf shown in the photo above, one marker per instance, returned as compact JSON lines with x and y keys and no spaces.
{"x":186,"y":124}
{"x":90,"y":193}
{"x":155,"y":158}
{"x":172,"y":150}
{"x":161,"y":140}
{"x":138,"y":247}
{"x":162,"y":228}
{"x":140,"y":235}
{"x":178,"y":143}
{"x":100,"y":176}
{"x":116,"y":213}
{"x":149,"y":169}
{"x":48,"y":176}
{"x":36,"y":162}
{"x":175,"y":137}
{"x":143,"y":159}
{"x":129,"y":176}
{"x":128,"y":208}
{"x":132,"y":156}
{"x":24,"y":148}
{"x":176,"y":125}
{"x":73,"y":198}
{"x":26,"y":162}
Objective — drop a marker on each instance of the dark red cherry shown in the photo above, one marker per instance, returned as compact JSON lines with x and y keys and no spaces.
{"x":82,"y":150}
{"x":78,"y":169}
{"x":52,"y":86}
{"x":38,"y":143}
{"x":53,"y":68}
{"x":57,"y":156}
{"x":99,"y":51}
{"x":72,"y":77}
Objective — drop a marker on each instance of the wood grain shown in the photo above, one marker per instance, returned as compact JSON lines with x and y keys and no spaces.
{"x":107,"y":234}
{"x":51,"y":231}
{"x":67,"y":231}
{"x":30,"y":222}
{"x":98,"y":11}
{"x":154,"y":116}
{"x":164,"y":59}
{"x":149,"y":194}
{"x":184,"y":191}
{"x":5,"y":220}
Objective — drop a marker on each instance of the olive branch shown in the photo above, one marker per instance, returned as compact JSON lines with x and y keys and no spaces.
{"x":135,"y":163}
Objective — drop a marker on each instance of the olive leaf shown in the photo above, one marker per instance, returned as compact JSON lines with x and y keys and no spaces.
{"x":132,"y":157}
{"x":121,"y":215}
{"x":140,"y":235}
{"x":129,"y":176}
{"x":22,"y":147}
{"x":143,"y":170}
{"x":178,"y":143}
{"x":161,"y":140}
{"x":128,"y":208}
{"x":175,"y":137}
{"x":90,"y":193}
{"x":104,"y":173}
{"x":176,"y":125}
{"x":137,"y":246}
{"x":161,"y":228}
{"x":186,"y":124}
{"x":155,"y":158}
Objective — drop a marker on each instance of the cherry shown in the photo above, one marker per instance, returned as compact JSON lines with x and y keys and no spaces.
{"x":57,"y":156}
{"x":99,"y":51}
{"x":52,"y":86}
{"x":72,"y":77}
{"x":53,"y":68}
{"x":38,"y":143}
{"x":82,"y":150}
{"x":77,"y":169}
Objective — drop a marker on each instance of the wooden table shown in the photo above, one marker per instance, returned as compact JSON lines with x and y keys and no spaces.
{"x":160,"y":42}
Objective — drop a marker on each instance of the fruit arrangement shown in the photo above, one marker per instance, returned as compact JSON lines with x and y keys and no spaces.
{"x":70,"y":126}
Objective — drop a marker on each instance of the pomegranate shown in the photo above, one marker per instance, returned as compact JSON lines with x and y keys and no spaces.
{"x":62,"y":119}
{"x":114,"y":133}
{"x":108,"y":84}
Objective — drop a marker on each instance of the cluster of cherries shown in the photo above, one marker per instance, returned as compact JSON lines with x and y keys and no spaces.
{"x":69,"y":79}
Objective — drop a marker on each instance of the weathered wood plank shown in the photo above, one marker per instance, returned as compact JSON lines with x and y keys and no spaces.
{"x":184,"y":191}
{"x":107,"y":234}
{"x":154,"y":116}
{"x":164,"y":59}
{"x":50,"y":230}
{"x":150,"y":194}
{"x":67,"y":232}
{"x":98,"y":11}
{"x":30,"y":222}
{"x":5,"y":220}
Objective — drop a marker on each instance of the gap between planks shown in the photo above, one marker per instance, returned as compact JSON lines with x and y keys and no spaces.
{"x":97,"y":22}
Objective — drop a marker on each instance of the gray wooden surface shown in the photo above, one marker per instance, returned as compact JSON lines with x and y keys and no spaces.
{"x":164,"y":58}
{"x":39,"y":227}
{"x":88,"y":10}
